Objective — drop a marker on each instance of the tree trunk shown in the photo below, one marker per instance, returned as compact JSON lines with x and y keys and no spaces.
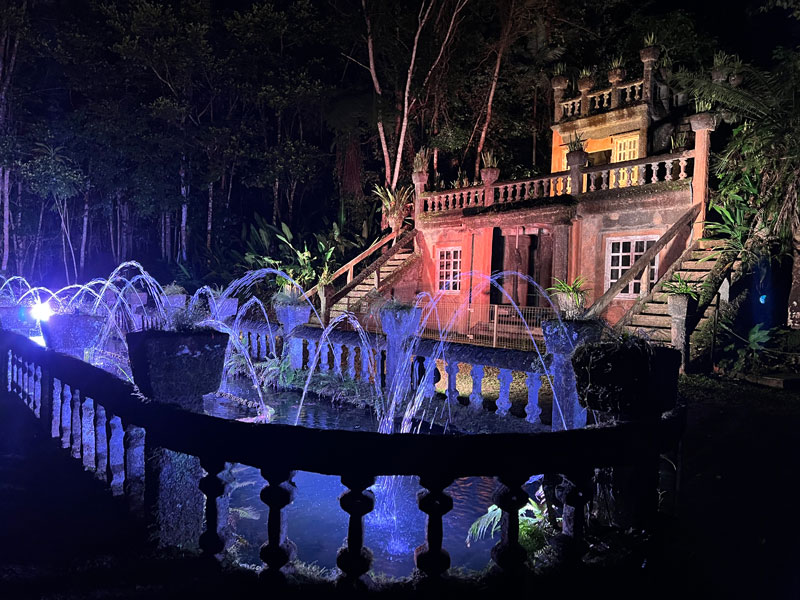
{"x":184,"y":234}
{"x":210,"y":216}
{"x":38,"y":242}
{"x":793,"y":318}
{"x":5,"y":197}
{"x":505,"y":38}
{"x":168,"y":227}
{"x":85,"y":230}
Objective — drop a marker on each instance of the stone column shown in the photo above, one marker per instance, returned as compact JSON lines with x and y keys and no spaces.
{"x":560,"y":251}
{"x":576,"y":161}
{"x":559,"y":83}
{"x":400,"y":324}
{"x":585,"y":85}
{"x":649,"y":57}
{"x":615,"y":76}
{"x":291,"y":316}
{"x":678,"y":307}
{"x":516,"y":248}
{"x":702,"y":125}
{"x":420,"y":178}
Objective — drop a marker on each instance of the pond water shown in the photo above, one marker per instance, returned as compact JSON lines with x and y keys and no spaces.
{"x":318,"y":525}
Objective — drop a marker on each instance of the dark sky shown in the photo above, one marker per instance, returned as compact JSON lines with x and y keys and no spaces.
{"x":741,"y":28}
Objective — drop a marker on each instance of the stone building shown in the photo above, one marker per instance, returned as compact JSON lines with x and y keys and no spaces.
{"x":643,"y":168}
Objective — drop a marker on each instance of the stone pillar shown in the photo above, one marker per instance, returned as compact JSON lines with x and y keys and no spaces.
{"x":574,"y":265}
{"x":420,"y":178}
{"x":585,"y":85}
{"x":702,"y":125}
{"x":561,"y":338}
{"x":560,"y":251}
{"x":559,"y":83}
{"x":400,"y":324}
{"x":615,"y":76}
{"x":649,"y":57}
{"x":576,"y":161}
{"x":291,"y":316}
{"x":678,"y":307}
{"x":544,"y":261}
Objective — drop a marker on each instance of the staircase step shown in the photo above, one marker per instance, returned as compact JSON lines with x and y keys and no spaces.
{"x":692,"y":275}
{"x":698,"y":265}
{"x":707,"y":244}
{"x":660,"y":308}
{"x":654,"y":334}
{"x":709,"y":255}
{"x":643,"y":320}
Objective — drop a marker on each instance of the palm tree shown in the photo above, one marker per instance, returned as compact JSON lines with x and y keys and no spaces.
{"x":760,"y":166}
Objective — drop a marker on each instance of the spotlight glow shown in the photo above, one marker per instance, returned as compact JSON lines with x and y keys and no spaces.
{"x":39,"y":339}
{"x":41,"y":311}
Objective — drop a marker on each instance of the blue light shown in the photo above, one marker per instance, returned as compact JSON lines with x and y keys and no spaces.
{"x":762,"y":298}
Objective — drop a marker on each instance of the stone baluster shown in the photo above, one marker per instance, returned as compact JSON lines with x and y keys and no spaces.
{"x":509,"y":496}
{"x":212,"y":540}
{"x":337,"y":359}
{"x":101,"y":442}
{"x":654,"y":171}
{"x":49,"y":410}
{"x":429,"y":383}
{"x":66,"y":415}
{"x":605,"y":175}
{"x":116,"y":455}
{"x":253,"y":342}
{"x":324,"y":351}
{"x":628,"y":176}
{"x":668,"y":172}
{"x":77,"y":436}
{"x":279,"y":550}
{"x":682,"y":163}
{"x":504,"y":401}
{"x":365,"y":360}
{"x":134,"y":468}
{"x":30,"y":387}
{"x":451,"y":368}
{"x":37,"y":392}
{"x":476,"y":396}
{"x":354,"y":559}
{"x":592,"y":181}
{"x":535,"y":188}
{"x":312,"y":352}
{"x":88,"y":434}
{"x":430,"y":557}
{"x":351,"y":362}
{"x":533,"y":382}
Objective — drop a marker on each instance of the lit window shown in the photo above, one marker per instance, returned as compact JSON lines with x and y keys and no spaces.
{"x":621,"y":253}
{"x":450,"y":269}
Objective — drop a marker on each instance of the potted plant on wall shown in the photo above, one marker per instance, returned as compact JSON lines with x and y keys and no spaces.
{"x":395,"y":204}
{"x":651,"y":50}
{"x":576,"y":155}
{"x":178,"y":364}
{"x":420,"y":174}
{"x":570,"y":297}
{"x":74,"y":330}
{"x":681,"y":295}
{"x":490,"y":172}
{"x":585,"y":80}
{"x":616,"y":73}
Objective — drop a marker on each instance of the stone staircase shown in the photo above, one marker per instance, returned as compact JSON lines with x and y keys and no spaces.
{"x":357,"y":299}
{"x":649,"y":317}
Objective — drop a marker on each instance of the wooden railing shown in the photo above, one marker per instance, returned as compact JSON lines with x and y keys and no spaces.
{"x":109,"y":428}
{"x":631,"y":173}
{"x":643,"y":262}
{"x":349,"y":268}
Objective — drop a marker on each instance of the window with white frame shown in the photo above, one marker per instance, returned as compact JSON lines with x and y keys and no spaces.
{"x":621,"y":253}
{"x":450,"y":269}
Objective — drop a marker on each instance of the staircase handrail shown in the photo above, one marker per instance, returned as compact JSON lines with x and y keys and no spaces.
{"x":402,"y":242}
{"x":348,"y":268}
{"x":643,"y":261}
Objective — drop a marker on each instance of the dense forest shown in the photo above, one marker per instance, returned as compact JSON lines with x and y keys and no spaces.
{"x":202,"y":138}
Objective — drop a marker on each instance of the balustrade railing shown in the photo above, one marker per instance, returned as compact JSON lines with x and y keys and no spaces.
{"x":628,"y":92}
{"x":632,"y":173}
{"x":639,"y":172}
{"x":105,"y":424}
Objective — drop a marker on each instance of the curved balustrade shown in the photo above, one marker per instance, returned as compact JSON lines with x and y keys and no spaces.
{"x":107,"y":425}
